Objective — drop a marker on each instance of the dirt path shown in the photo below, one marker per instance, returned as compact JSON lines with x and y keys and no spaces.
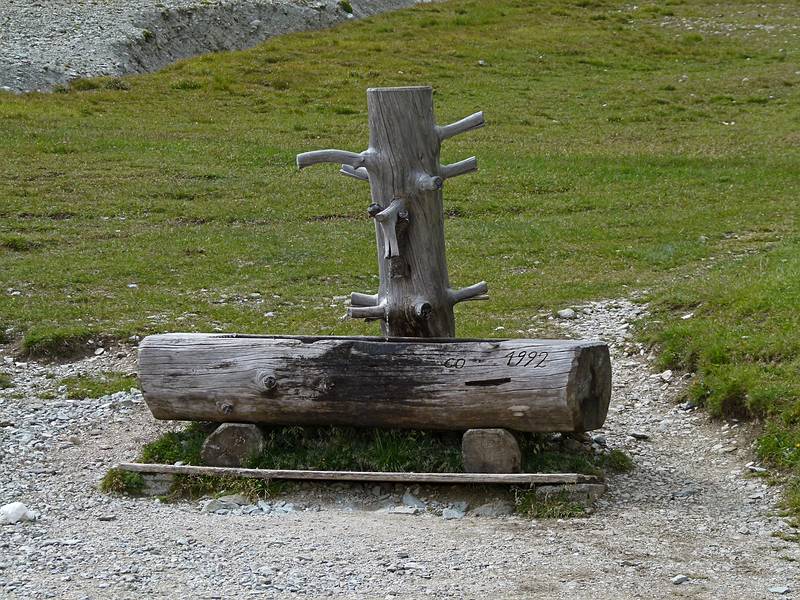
{"x":688,"y":508}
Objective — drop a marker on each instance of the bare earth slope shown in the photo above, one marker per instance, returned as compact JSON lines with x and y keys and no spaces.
{"x":43,"y":44}
{"x":689,"y":507}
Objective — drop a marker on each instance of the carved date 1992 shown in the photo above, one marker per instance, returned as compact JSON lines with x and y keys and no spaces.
{"x":526,"y":359}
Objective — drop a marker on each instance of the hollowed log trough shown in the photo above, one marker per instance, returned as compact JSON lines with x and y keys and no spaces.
{"x":458,"y":384}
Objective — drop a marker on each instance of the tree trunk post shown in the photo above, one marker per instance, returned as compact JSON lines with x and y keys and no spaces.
{"x":402,"y":166}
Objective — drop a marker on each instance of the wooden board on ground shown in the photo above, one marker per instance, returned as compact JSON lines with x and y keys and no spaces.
{"x":480,"y":478}
{"x":523,"y":385}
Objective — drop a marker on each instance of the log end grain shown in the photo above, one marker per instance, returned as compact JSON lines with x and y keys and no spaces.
{"x":591,"y":382}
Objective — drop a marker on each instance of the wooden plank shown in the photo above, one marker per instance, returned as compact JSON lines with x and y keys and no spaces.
{"x":523,"y":385}
{"x":485,"y":478}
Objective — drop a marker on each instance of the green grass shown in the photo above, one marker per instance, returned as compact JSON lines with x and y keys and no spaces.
{"x":197,"y":486}
{"x":596,"y":177}
{"x":553,"y":506}
{"x":116,"y":481}
{"x":5,"y":381}
{"x":95,"y":386}
{"x":354,"y":449}
{"x":742,"y":342}
{"x":622,"y":151}
{"x":175,"y":446}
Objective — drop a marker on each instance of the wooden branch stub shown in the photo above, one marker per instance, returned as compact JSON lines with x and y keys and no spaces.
{"x":353,"y":159}
{"x":423,"y":309}
{"x":477,"y":291}
{"x":359,"y":299}
{"x":462,"y":167}
{"x":367,"y":312}
{"x":359,"y":173}
{"x":387,"y":220}
{"x":474,"y":121}
{"x":429,"y":183}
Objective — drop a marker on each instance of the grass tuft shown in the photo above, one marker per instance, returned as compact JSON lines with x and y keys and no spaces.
{"x":177,"y":446}
{"x":117,"y":481}
{"x":5,"y":381}
{"x":18,"y":243}
{"x":346,"y":6}
{"x":616,"y":461}
{"x":345,"y":448}
{"x":44,"y":341}
{"x":95,"y":386}
{"x":197,"y":486}
{"x":551,"y":506}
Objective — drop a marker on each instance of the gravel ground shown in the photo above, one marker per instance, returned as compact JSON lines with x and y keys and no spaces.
{"x":44,"y":43}
{"x":690,"y":507}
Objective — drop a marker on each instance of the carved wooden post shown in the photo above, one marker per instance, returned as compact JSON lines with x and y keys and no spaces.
{"x":402,"y":166}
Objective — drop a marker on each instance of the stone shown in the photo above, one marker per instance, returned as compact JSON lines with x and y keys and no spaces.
{"x":567,"y":313}
{"x":452,"y":513}
{"x":235,"y":499}
{"x":498,"y":508}
{"x":638,"y":435}
{"x":16,"y":512}
{"x":665,"y":376}
{"x":779,"y":589}
{"x":215,"y":504}
{"x":490,"y":451}
{"x":403,"y":510}
{"x":232,"y":444}
{"x":410,"y":499}
{"x":157,"y":484}
{"x":679,"y":579}
{"x":689,"y":490}
{"x":582,"y":493}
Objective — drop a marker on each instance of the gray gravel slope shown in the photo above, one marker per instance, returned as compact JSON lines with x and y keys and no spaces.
{"x":48,"y":42}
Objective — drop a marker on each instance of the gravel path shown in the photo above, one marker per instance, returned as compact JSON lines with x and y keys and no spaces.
{"x":690,"y":507}
{"x":48,"y":42}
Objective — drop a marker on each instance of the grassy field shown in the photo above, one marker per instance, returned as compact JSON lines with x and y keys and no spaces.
{"x":626,"y":148}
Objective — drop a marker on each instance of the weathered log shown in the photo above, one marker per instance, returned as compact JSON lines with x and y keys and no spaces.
{"x":396,"y":477}
{"x":524,"y":385}
{"x":402,"y":167}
